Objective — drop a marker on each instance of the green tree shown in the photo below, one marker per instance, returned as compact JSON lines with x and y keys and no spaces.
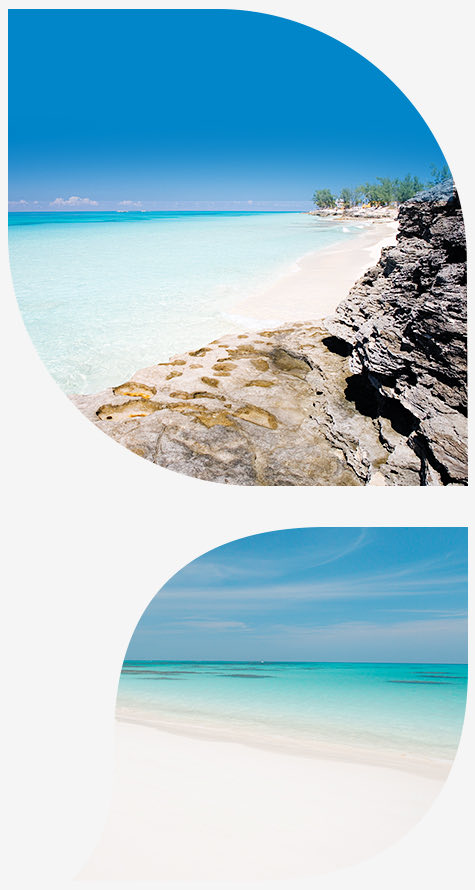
{"x":324,"y":198}
{"x":348,"y":197}
{"x":439,"y":175}
{"x":360,"y":194}
{"x":372,"y":193}
{"x":385,"y":190}
{"x":419,"y":186}
{"x":406,"y":188}
{"x":380,"y":192}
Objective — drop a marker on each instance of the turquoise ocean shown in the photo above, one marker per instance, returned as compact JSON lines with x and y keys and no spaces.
{"x":382,"y":713}
{"x":105,"y":294}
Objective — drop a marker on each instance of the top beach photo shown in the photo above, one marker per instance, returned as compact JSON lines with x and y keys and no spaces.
{"x":237,"y":248}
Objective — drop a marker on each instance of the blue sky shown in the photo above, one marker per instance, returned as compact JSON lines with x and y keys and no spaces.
{"x":210,"y":109}
{"x":326,"y":594}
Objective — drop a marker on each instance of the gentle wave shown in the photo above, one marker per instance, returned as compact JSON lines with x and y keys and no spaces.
{"x":416,"y":710}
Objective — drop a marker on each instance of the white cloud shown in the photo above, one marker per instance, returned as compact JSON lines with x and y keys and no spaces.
{"x":371,"y":630}
{"x":73,"y":201}
{"x":22,"y":201}
{"x":130,"y":203}
{"x":254,"y":594}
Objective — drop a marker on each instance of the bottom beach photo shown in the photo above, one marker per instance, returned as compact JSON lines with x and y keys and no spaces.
{"x":290,"y":704}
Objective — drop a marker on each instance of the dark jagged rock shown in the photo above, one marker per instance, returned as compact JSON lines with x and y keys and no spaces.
{"x":405,"y":323}
{"x":377,"y":396}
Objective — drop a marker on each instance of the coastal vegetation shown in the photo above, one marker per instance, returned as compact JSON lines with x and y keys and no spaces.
{"x":382,"y":192}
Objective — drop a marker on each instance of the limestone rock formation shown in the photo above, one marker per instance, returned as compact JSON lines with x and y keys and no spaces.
{"x":277,"y":408}
{"x":405,"y":323}
{"x":376,"y":395}
{"x":367,"y":213}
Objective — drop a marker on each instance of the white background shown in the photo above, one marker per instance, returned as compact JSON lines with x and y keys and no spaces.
{"x":92,"y":531}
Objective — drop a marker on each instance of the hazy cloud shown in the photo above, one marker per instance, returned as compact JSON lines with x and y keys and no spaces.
{"x":217,"y":567}
{"x":339,"y":589}
{"x":443,"y":639}
{"x":73,"y":201}
{"x":212,"y":624}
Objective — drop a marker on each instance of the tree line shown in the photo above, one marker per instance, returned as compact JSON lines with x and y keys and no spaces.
{"x":383,"y":191}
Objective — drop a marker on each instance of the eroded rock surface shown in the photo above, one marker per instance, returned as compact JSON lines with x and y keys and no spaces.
{"x":376,"y":395}
{"x":405,"y":323}
{"x":276,"y":408}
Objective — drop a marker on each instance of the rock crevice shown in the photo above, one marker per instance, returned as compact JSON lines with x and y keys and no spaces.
{"x":405,"y":324}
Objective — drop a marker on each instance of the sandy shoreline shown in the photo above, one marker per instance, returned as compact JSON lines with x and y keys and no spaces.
{"x":195,"y":809}
{"x":393,"y":759}
{"x":319,"y":281}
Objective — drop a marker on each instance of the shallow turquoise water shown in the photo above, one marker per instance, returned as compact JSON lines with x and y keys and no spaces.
{"x":413,"y":709}
{"x":104,"y":294}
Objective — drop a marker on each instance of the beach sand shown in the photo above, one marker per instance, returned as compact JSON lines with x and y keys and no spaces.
{"x":197,"y":809}
{"x":319,"y":281}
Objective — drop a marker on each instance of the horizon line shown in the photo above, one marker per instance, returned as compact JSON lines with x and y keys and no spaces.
{"x":158,"y":210}
{"x":274,"y":661}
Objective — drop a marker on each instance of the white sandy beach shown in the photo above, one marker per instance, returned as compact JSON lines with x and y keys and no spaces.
{"x":319,"y":281}
{"x":196,"y":809}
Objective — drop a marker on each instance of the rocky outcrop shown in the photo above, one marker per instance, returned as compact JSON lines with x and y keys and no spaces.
{"x":376,"y":395}
{"x":276,"y":408}
{"x":405,"y":324}
{"x":349,"y":213}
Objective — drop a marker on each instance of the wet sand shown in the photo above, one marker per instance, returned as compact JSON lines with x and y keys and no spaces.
{"x":319,"y":280}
